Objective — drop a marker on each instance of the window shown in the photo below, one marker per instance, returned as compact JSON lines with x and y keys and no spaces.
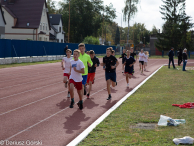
{"x":40,"y":26}
{"x":59,"y":29}
{"x":61,"y":40}
{"x":39,"y":38}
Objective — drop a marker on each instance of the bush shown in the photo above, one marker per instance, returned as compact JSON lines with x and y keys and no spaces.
{"x":91,"y":40}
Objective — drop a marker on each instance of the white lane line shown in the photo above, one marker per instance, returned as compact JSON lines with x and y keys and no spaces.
{"x":29,"y":90}
{"x":57,"y":113}
{"x":31,"y":103}
{"x":25,"y":83}
{"x":27,"y":76}
{"x":85,"y":133}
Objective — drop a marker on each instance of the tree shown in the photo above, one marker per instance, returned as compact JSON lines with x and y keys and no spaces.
{"x":51,"y":6}
{"x":91,"y":40}
{"x":154,"y":30}
{"x":129,"y":11}
{"x":86,"y":18}
{"x":174,"y":29}
{"x":117,"y":37}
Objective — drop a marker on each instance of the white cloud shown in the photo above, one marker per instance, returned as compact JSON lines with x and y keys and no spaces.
{"x":148,"y":12}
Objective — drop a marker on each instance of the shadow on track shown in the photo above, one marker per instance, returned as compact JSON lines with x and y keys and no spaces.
{"x":73,"y":122}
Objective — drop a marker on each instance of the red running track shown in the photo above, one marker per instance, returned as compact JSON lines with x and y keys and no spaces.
{"x":34,"y":106}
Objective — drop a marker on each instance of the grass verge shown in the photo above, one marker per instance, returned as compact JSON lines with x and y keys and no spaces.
{"x":154,"y":98}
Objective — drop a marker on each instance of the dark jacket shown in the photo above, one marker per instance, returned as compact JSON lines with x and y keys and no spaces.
{"x":171,"y":54}
{"x":179,"y":53}
{"x":184,"y":56}
{"x":92,"y":69}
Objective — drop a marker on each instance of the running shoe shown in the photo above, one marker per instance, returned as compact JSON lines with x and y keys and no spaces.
{"x":109,"y":97}
{"x":88,"y":96}
{"x":127,"y":84}
{"x":68,"y":95}
{"x":71,"y":105}
{"x":80,"y":105}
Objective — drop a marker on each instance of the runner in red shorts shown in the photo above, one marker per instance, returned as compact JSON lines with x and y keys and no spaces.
{"x":91,"y":71}
{"x":67,"y":63}
{"x":77,"y":69}
{"x":129,"y":61}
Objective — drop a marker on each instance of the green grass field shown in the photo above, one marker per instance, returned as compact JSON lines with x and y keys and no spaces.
{"x":154,"y":98}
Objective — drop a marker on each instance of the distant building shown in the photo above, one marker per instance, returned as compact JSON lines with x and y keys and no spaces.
{"x":56,"y":33}
{"x":2,"y":24}
{"x":26,"y":19}
{"x":153,"y":40}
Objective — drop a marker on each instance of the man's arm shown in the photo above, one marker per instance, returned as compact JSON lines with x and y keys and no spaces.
{"x":90,"y":63}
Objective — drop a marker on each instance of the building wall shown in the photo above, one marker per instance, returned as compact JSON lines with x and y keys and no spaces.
{"x":60,"y":35}
{"x":2,"y":26}
{"x":44,"y":26}
{"x":16,"y":33}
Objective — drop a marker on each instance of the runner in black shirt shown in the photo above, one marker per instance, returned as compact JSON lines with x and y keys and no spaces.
{"x":133,"y":55}
{"x":129,"y":61}
{"x":123,"y":56}
{"x":110,"y":63}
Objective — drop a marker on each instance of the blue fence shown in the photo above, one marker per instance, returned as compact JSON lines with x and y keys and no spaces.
{"x":22,"y":48}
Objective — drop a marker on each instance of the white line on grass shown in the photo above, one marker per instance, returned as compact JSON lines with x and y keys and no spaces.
{"x":85,"y":133}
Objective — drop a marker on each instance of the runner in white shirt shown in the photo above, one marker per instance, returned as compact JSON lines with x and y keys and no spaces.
{"x":66,"y":65}
{"x":146,"y":59}
{"x":141,"y":56}
{"x":77,"y":69}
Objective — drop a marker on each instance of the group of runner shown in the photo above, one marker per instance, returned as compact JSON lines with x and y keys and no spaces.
{"x":79,"y":70}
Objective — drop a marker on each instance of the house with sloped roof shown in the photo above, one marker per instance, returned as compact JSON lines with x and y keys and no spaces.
{"x":56,"y":33}
{"x":2,"y":24}
{"x":26,"y":19}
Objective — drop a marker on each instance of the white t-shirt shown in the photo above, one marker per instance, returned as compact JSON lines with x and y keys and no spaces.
{"x":146,"y":58}
{"x":67,"y":62}
{"x":141,"y":56}
{"x":77,"y":77}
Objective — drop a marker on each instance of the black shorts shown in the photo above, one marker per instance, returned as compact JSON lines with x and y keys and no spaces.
{"x":142,"y":62}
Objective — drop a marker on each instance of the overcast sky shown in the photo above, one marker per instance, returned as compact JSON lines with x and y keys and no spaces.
{"x":148,"y":12}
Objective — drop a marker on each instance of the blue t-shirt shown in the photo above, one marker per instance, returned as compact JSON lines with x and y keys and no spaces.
{"x":129,"y":61}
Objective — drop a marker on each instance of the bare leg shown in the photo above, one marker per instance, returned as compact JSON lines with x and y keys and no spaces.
{"x":113,"y":84}
{"x":108,"y":86}
{"x":127,"y":78}
{"x":82,"y":90}
{"x":65,"y":79}
{"x":71,"y":90}
{"x":140,"y":66}
{"x":80,"y":94}
{"x":90,"y":87}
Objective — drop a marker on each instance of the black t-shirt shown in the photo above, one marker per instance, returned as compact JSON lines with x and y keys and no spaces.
{"x":129,"y":61}
{"x":109,"y":61}
{"x":92,"y":69}
{"x":133,"y":54}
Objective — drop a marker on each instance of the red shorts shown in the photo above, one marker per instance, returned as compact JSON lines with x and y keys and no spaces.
{"x":128,"y":73}
{"x":66,"y":75}
{"x":78,"y":85}
{"x":91,"y":77}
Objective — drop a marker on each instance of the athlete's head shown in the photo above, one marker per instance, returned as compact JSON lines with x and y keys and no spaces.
{"x":141,"y":50}
{"x":76,"y":54}
{"x":124,"y":50}
{"x":131,"y":49}
{"x":68,"y":52}
{"x":128,"y":52}
{"x":92,"y":54}
{"x":88,"y":52}
{"x":113,"y":52}
{"x":82,"y":48}
{"x":109,"y":51}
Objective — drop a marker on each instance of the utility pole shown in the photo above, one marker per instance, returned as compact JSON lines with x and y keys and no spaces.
{"x":69,"y":23}
{"x":102,"y":25}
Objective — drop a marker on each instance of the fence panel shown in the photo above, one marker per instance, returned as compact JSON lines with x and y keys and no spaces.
{"x":23,"y":48}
